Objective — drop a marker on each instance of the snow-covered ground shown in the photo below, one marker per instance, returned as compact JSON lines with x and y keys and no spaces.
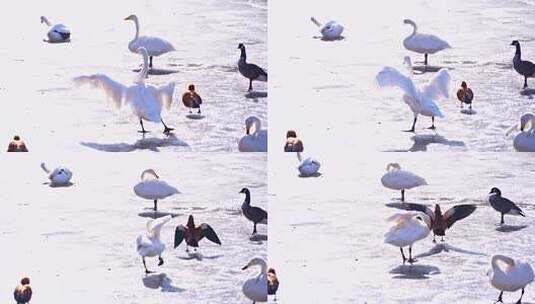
{"x":78,"y":243}
{"x":326,"y":235}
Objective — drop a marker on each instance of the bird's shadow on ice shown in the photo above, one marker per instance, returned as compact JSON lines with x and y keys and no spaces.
{"x":422,"y":69}
{"x":444,"y":247}
{"x":421,"y":142}
{"x":414,"y":272}
{"x":528,"y":92}
{"x":317,"y":174}
{"x":199,"y":256}
{"x":329,"y":39}
{"x":160,"y":281}
{"x":157,"y":71}
{"x":152,"y":144}
{"x":58,"y":185}
{"x":510,"y":228}
{"x":258,"y":238}
{"x":156,"y":214}
{"x":195,"y":116}
{"x":255,"y":94}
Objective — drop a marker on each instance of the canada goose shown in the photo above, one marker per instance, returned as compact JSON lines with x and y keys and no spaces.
{"x":254,"y":214}
{"x":503,"y":205}
{"x":249,"y":70}
{"x":522,"y":67}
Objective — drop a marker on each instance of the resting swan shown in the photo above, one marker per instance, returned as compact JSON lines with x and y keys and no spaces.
{"x":57,"y":32}
{"x":255,"y":288}
{"x":256,"y":140}
{"x":423,"y":43}
{"x":307,"y":166}
{"x":155,"y":46}
{"x":146,"y":101}
{"x":509,"y":275}
{"x":152,"y":188}
{"x":330,"y":31}
{"x":407,"y":229}
{"x":420,"y":100}
{"x":397,"y":179}
{"x":525,"y":140}
{"x":60,"y":176}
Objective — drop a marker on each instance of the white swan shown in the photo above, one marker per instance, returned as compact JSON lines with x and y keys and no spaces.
{"x":423,"y":43}
{"x":509,"y":275}
{"x":307,"y":166}
{"x":57,"y":32}
{"x":397,"y":179}
{"x":525,"y":140}
{"x":60,"y":176}
{"x":152,"y":188}
{"x":146,"y":101}
{"x":421,"y":101}
{"x":255,"y":288}
{"x":332,"y":30}
{"x":150,"y":245}
{"x":256,"y":140}
{"x":407,"y":229}
{"x":155,"y":46}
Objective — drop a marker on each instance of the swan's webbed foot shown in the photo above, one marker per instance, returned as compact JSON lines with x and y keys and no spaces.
{"x":160,"y":263}
{"x":167,"y":130}
{"x":432,"y":127}
{"x":143,"y":131}
{"x":409,"y":131}
{"x":499,"y":298}
{"x":411,"y":261}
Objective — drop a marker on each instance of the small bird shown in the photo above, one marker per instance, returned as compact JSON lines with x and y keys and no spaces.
{"x":522,"y":67}
{"x":397,"y":179}
{"x":17,"y":145}
{"x":150,"y":245}
{"x":509,"y":275}
{"x":57,"y":32}
{"x":152,"y":188}
{"x":503,"y":205}
{"x":273,"y":282}
{"x":23,"y":292}
{"x":194,"y":234}
{"x":254,"y":214}
{"x":407,"y":229}
{"x":249,"y":70}
{"x":191,"y":99}
{"x":60,"y":176}
{"x":293,"y":143}
{"x":465,"y":95}
{"x":440,"y":222}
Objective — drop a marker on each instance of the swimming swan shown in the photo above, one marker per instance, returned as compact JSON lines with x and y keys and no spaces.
{"x":255,"y":288}
{"x":150,"y":245}
{"x":330,"y":31}
{"x":60,"y":176}
{"x":407,"y":228}
{"x":255,"y":140}
{"x":525,"y":140}
{"x":423,"y":43}
{"x":152,"y":188}
{"x":509,"y":275}
{"x":57,"y":32}
{"x":146,"y":101}
{"x":397,"y":179}
{"x":155,"y":46}
{"x":420,"y":100}
{"x":307,"y":166}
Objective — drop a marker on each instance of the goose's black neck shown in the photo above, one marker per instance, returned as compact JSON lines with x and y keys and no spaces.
{"x":243,"y":56}
{"x":247,"y":200}
{"x":518,"y":52}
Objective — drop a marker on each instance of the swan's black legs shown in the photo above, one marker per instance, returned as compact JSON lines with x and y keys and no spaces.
{"x":155,"y":205}
{"x":145,"y":265}
{"x":402,"y":255}
{"x":413,"y":125}
{"x":499,"y":298}
{"x":166,"y":128}
{"x":160,"y":263}
{"x":425,"y":60}
{"x":150,"y":62}
{"x":432,"y":127}
{"x":411,"y":260}
{"x":142,"y":128}
{"x":520,"y":300}
{"x":402,"y":195}
{"x":250,"y":85}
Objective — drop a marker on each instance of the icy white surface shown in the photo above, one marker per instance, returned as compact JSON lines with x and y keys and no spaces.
{"x":77,"y":244}
{"x":43,"y":105}
{"x":327,"y":91}
{"x":326,"y":235}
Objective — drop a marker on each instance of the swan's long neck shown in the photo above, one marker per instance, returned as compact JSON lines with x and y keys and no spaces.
{"x":136,"y":22}
{"x":263,"y":267}
{"x":299,"y":157}
{"x":148,"y":172}
{"x":414,"y":27}
{"x":145,"y":68}
{"x":45,"y":20}
{"x":315,"y":21}
{"x":506,"y":260}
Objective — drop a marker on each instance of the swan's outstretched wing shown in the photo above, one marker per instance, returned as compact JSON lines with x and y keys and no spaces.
{"x":113,"y":90}
{"x":165,"y":95}
{"x":155,"y":226}
{"x":438,"y":87}
{"x":390,"y":77}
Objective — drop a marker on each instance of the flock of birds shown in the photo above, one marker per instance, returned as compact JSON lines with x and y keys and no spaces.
{"x":147,"y":101}
{"x":419,"y":221}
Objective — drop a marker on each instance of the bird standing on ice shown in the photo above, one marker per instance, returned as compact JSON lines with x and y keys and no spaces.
{"x":256,"y":215}
{"x":23,"y":292}
{"x":407,"y":229}
{"x":522,"y":67}
{"x":150,"y":245}
{"x":194,"y":234}
{"x":509,"y":275}
{"x":249,"y":70}
{"x":423,"y":43}
{"x":152,"y":188}
{"x":332,"y":30}
{"x":145,"y":100}
{"x":397,"y":179}
{"x":420,"y":100}
{"x":503,"y":205}
{"x":155,"y":46}
{"x":57,"y":32}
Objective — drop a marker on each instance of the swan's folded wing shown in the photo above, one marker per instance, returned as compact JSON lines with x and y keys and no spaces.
{"x":438,"y":87}
{"x":390,"y":77}
{"x":165,"y":95}
{"x":113,"y":89}
{"x":210,"y":234}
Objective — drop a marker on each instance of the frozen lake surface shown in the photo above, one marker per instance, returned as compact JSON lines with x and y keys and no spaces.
{"x":327,"y":91}
{"x":79,"y":242}
{"x":326,"y":240}
{"x":50,"y":113}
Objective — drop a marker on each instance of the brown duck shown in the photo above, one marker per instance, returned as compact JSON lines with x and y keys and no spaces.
{"x":273,"y":282}
{"x":465,"y":95}
{"x":293,"y":143}
{"x":440,"y":222}
{"x":23,"y":292}
{"x":17,"y":145}
{"x":194,"y":234}
{"x":191,"y":99}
